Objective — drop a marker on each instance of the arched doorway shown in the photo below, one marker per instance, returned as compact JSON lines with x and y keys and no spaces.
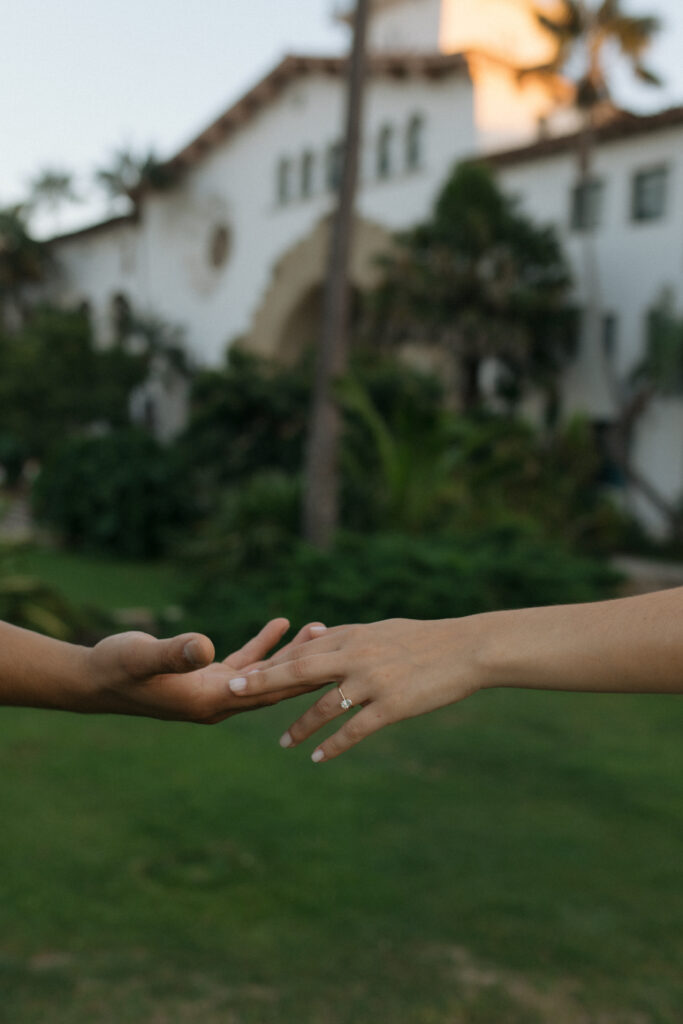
{"x":289,"y":317}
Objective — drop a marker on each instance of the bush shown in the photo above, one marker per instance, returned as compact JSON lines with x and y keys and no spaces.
{"x":32,"y":604}
{"x":366,"y":578}
{"x":121,"y":494}
{"x":54,"y":382}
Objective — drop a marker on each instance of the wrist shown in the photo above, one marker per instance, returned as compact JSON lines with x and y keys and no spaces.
{"x":81,"y":692}
{"x":493,"y":652}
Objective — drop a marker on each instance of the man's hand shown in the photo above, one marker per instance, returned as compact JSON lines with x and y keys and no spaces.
{"x":177,"y":679}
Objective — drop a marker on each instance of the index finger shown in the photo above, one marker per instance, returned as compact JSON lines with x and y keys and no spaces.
{"x":329,"y":642}
{"x":311,"y":671}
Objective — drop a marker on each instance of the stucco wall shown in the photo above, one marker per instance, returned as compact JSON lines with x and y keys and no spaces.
{"x":630,"y":264}
{"x":167,"y":271}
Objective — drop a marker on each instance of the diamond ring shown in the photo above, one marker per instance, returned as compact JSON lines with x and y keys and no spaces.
{"x":345,"y":702}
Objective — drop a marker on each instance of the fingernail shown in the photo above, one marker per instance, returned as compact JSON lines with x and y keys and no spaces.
{"x":317,"y":756}
{"x":192,"y":653}
{"x":286,"y":741}
{"x":318,"y":630}
{"x":254,"y":672}
{"x":238,"y":685}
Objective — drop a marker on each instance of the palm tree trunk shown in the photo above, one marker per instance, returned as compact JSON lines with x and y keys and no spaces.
{"x":321,"y":500}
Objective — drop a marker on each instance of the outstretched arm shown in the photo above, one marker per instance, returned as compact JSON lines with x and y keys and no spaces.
{"x":134,"y":674}
{"x":401,"y":668}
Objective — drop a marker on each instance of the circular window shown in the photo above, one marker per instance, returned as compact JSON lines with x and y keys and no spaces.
{"x":219,"y":245}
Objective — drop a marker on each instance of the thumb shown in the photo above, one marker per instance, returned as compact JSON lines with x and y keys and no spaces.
{"x":186,"y":653}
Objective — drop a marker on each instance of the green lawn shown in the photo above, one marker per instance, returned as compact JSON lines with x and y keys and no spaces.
{"x":105,"y":583}
{"x":518,"y":859}
{"x":515,"y":860}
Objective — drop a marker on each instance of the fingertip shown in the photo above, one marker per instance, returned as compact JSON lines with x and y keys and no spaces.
{"x":317,"y":629}
{"x":199,"y":651}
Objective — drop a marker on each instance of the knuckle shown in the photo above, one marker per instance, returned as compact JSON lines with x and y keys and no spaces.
{"x":353,"y":730}
{"x":299,"y":668}
{"x":326,"y":706}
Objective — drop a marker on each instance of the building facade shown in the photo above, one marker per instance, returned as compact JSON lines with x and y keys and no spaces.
{"x":236,"y":246}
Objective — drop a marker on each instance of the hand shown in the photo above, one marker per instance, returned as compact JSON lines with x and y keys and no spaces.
{"x":390,"y":670}
{"x":177,"y":679}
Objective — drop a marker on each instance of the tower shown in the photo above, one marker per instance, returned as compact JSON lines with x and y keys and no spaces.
{"x":499,"y":37}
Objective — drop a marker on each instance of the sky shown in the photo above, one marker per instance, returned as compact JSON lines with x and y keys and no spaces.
{"x":85,"y":78}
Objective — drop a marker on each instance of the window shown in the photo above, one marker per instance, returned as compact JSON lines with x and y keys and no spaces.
{"x":586,"y":208}
{"x":414,"y":143}
{"x":307,"y":169}
{"x":334,"y":166}
{"x":649,"y":194}
{"x":384,"y":147}
{"x":610,"y":336}
{"x":284,"y":182}
{"x":219,"y":245}
{"x":121,"y":315}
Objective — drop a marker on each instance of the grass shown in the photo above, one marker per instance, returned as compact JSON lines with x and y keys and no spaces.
{"x":515,"y":860}
{"x":106,"y":583}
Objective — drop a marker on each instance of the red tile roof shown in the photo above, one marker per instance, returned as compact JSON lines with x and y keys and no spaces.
{"x":394,"y":65}
{"x":622,"y":126}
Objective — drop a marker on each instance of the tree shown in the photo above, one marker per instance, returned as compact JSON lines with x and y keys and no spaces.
{"x":321,"y":501}
{"x":128,"y":172}
{"x":51,"y":189}
{"x":54,"y":381}
{"x":584,"y":34}
{"x":23,"y":261}
{"x":480,"y":281}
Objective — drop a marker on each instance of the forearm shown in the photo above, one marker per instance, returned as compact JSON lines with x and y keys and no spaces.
{"x":630,"y":645}
{"x":38,"y":672}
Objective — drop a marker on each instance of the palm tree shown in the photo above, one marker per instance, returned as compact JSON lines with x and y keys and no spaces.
{"x":128,"y":172}
{"x":52,"y":188}
{"x":321,"y":500}
{"x":584,"y":33}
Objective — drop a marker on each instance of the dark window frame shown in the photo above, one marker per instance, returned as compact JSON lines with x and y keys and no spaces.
{"x":640,"y":214}
{"x":415,"y":135}
{"x":586,"y":204}
{"x":385,"y":142}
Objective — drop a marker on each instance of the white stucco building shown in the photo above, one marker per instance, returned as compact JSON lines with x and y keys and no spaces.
{"x":236,"y":246}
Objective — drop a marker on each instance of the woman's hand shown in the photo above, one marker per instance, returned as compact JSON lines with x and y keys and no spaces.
{"x":177,"y":679}
{"x":389,"y":670}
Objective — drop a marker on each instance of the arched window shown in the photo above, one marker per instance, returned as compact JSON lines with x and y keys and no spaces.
{"x":414,"y":143}
{"x":284,"y":181}
{"x":307,"y":171}
{"x":334,"y":166}
{"x":384,"y":151}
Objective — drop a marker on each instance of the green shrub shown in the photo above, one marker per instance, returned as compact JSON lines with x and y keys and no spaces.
{"x":32,"y":604}
{"x":121,"y":493}
{"x":55,"y":382}
{"x":365,"y":578}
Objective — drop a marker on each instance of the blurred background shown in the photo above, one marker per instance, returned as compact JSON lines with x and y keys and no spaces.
{"x":286,"y":332}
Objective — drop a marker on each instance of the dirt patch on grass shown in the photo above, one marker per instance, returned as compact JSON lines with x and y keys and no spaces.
{"x":558,"y":1002}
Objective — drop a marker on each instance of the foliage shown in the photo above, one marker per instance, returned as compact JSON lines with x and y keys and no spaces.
{"x":23,"y":260}
{"x":54,"y":382}
{"x":662,"y":366}
{"x":246,"y":417}
{"x":120,"y":493}
{"x":382,"y":575}
{"x":28,"y":602}
{"x":422,"y":468}
{"x":584,"y":33}
{"x":128,"y":172}
{"x":51,"y":188}
{"x":481,"y":281}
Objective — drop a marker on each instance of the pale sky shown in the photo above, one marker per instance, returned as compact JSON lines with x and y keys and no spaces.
{"x":79,"y":78}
